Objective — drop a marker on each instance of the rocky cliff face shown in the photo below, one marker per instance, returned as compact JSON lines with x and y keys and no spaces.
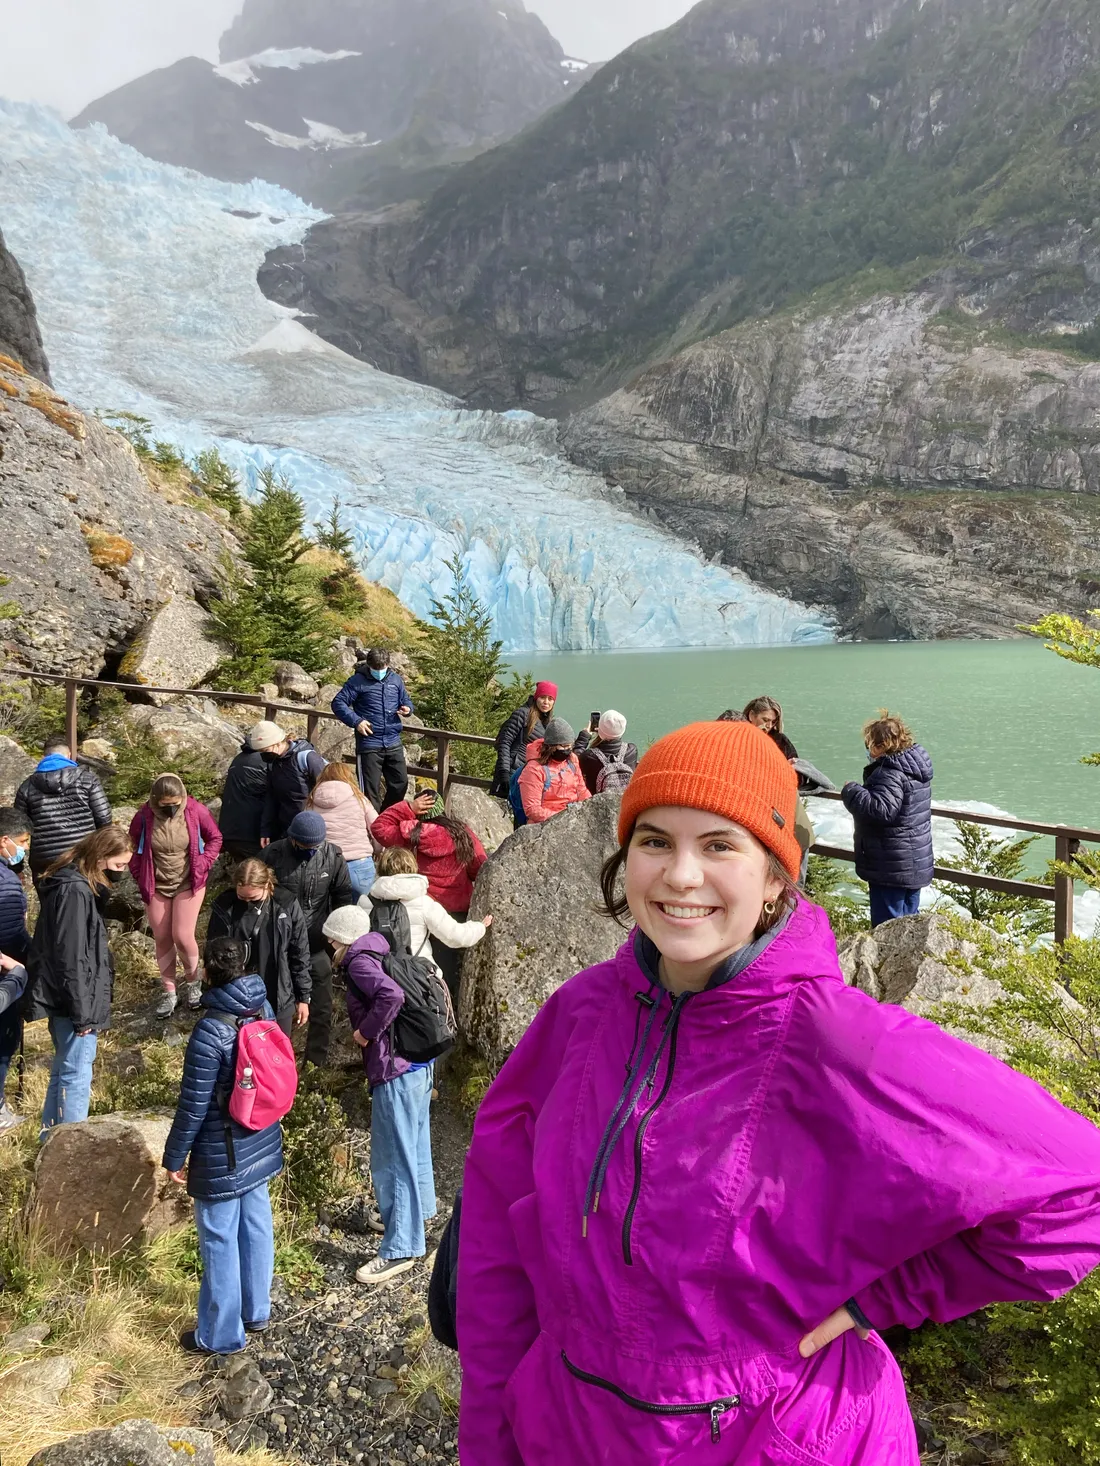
{"x":20,"y":337}
{"x":91,"y":550}
{"x":733,"y":163}
{"x":340,"y":100}
{"x":895,"y":466}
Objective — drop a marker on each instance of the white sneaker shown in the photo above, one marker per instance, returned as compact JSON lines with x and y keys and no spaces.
{"x":384,"y":1269}
{"x":167,"y":1005}
{"x":193,"y":993}
{"x":9,"y":1120}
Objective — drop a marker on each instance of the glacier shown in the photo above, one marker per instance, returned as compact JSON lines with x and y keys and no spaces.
{"x":145,"y":281}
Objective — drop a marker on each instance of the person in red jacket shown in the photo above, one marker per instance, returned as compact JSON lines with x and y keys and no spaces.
{"x":176,"y":843}
{"x":447,"y":852}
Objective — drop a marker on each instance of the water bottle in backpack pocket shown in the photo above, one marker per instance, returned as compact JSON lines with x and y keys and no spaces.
{"x":425,"y":1027}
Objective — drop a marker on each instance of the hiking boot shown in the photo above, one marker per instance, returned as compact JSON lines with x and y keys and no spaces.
{"x":384,"y":1269}
{"x":192,"y":991}
{"x":9,"y":1120}
{"x":166,"y":1006}
{"x":189,"y":1343}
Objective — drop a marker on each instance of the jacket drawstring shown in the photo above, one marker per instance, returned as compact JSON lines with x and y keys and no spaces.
{"x":607,"y":1146}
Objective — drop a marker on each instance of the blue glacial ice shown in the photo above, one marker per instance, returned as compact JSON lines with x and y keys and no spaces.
{"x":145,"y":280}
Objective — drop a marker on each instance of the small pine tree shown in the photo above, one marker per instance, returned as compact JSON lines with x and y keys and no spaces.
{"x":273,"y":611}
{"x":134,"y":428}
{"x":342,"y":587}
{"x":168,"y":457}
{"x":461,"y":673}
{"x":214,"y":478}
{"x":332,"y":534}
{"x":983,"y":854}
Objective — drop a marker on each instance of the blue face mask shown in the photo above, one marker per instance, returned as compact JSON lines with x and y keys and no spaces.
{"x":17,"y":858}
{"x":379,"y":673}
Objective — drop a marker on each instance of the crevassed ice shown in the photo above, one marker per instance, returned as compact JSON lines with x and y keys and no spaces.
{"x":144,"y":277}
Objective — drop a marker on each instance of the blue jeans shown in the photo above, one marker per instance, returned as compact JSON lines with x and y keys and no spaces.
{"x":237,"y":1244}
{"x":401,"y":1160}
{"x":70,"y":1087}
{"x":890,"y":901}
{"x":362,"y":874}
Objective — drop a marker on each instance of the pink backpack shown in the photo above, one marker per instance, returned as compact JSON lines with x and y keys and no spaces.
{"x":266,"y":1080}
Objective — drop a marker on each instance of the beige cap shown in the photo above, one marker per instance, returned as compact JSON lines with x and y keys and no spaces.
{"x":264,"y":735}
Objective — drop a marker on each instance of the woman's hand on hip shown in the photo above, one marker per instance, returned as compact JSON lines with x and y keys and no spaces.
{"x":836,"y":1324}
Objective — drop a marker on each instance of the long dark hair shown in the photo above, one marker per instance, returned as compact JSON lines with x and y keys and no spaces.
{"x":460,"y":833}
{"x":534,"y":715}
{"x":617,"y":907}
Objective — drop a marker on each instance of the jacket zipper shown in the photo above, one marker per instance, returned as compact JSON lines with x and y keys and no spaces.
{"x":714,"y":1408}
{"x":639,"y":1138}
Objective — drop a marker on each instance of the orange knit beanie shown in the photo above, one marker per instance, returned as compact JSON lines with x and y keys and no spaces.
{"x":732,"y":769}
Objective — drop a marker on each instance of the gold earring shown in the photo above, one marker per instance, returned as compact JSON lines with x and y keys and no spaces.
{"x":769,"y":908}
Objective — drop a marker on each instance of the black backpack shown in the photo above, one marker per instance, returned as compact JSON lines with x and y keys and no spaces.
{"x":424,"y":1028}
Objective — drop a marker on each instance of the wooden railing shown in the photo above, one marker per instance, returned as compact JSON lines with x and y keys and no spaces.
{"x":1068,"y":839}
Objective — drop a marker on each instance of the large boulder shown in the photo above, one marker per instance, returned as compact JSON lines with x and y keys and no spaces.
{"x":15,"y":766}
{"x":191,"y":723}
{"x":295,"y":682}
{"x":542,"y":887}
{"x":173,"y":649}
{"x":133,"y":1443}
{"x":489,"y":818}
{"x":920,"y":962}
{"x":99,"y":1185}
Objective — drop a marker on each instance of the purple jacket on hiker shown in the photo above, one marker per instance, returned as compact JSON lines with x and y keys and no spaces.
{"x":800,"y":1146}
{"x":204,"y":846}
{"x":374,"y":1001}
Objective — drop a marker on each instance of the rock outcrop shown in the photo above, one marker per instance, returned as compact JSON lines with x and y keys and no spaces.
{"x":489,"y":818}
{"x":174,"y":649}
{"x":192,"y":723}
{"x":99,"y":1186}
{"x":335,"y":100}
{"x":92,"y":552}
{"x":20,"y":337}
{"x":542,"y":889}
{"x":916,"y":478}
{"x":133,"y":1443}
{"x":919,"y":963}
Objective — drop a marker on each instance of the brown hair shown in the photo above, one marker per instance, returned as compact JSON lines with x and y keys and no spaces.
{"x":534,"y":715}
{"x":255,"y":872}
{"x":764,"y":705}
{"x":617,"y":907}
{"x":167,"y":786}
{"x":337,"y":772}
{"x":887,"y":733}
{"x":461,"y":836}
{"x":90,"y":855}
{"x":396,"y":861}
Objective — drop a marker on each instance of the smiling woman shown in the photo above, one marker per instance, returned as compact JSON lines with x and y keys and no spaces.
{"x":710,"y":1170}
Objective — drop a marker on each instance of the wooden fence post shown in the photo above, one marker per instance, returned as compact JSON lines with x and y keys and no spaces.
{"x":442,"y":765}
{"x":71,"y":734}
{"x":311,"y":727}
{"x":1064,"y":851}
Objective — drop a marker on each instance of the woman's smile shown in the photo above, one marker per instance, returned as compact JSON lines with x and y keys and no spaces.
{"x":682,"y":915}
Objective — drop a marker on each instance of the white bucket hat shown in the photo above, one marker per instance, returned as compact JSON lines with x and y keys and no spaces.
{"x":346,"y":925}
{"x":264,"y":735}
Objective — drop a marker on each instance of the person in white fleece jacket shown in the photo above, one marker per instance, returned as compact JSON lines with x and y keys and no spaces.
{"x":399,"y":880}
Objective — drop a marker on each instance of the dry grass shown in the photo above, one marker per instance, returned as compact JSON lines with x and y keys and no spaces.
{"x":56,"y":410}
{"x":107,"y":551}
{"x":6,"y":386}
{"x":12,"y":365}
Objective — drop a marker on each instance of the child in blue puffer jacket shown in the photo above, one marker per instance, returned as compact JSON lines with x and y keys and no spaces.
{"x":232,"y":1205}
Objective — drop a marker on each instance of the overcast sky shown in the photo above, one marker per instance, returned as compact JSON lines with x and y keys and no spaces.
{"x":68,"y":52}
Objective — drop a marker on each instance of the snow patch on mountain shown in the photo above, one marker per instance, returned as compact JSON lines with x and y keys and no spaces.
{"x":243,"y":72}
{"x":321,"y":137}
{"x":145,"y":278}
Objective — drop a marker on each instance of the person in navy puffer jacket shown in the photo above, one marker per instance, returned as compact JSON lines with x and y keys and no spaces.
{"x":232,"y":1205}
{"x":893,"y":818}
{"x":373,"y":701}
{"x":15,"y":944}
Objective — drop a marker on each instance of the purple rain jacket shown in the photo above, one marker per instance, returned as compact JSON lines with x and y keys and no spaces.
{"x":374,"y":1001}
{"x":635,"y":1277}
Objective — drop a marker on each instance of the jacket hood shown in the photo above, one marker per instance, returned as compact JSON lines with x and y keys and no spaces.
{"x":242,"y":996}
{"x":55,"y":761}
{"x":70,"y":875}
{"x":54,"y":780}
{"x":332,"y":793}
{"x":912,"y":761}
{"x":399,"y":888}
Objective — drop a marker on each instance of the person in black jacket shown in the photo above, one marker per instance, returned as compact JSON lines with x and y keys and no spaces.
{"x":15,"y":944}
{"x":243,"y":800}
{"x":61,"y":802}
{"x":317,"y":875}
{"x":232,"y":1203}
{"x":600,"y":747}
{"x":525,"y":725}
{"x":268,"y":919}
{"x":892,"y":810}
{"x":71,"y":973}
{"x":293,"y":767}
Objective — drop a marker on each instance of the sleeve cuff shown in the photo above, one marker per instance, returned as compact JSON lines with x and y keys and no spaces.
{"x":859,"y":1318}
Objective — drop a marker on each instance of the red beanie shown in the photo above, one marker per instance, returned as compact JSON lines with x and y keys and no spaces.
{"x":546,"y":689}
{"x":732,"y":769}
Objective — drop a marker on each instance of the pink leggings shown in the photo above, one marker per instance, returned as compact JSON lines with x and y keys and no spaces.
{"x":173,"y":920}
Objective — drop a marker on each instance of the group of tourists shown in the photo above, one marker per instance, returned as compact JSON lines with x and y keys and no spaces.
{"x":342,"y":873}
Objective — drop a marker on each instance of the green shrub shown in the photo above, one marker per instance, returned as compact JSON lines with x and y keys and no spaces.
{"x":213,"y":477}
{"x":829,"y":885}
{"x":151,"y":1081}
{"x":141,"y":757}
{"x":135,"y":429}
{"x":315,"y":1141}
{"x":1015,"y":916}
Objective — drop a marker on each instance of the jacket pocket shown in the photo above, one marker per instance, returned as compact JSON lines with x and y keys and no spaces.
{"x":823,"y":1406}
{"x":713,"y":1410}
